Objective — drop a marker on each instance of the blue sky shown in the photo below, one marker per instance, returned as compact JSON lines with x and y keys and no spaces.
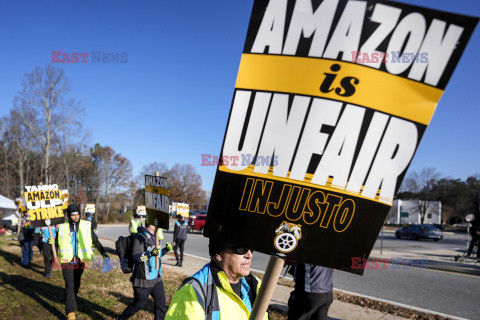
{"x":170,"y":101}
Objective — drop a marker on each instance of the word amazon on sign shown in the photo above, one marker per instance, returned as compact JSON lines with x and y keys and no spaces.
{"x":45,"y":205}
{"x":157,"y":201}
{"x":343,"y":131}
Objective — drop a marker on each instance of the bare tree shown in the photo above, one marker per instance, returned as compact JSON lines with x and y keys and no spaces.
{"x":114,"y":173}
{"x":185,"y":184}
{"x":70,"y":143}
{"x":46,"y":108}
{"x":150,"y":169}
{"x":421,"y":184}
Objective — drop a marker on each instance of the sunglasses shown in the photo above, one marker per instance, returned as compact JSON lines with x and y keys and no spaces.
{"x":240,"y":250}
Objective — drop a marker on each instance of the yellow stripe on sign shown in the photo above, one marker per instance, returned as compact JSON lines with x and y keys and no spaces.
{"x":376,"y":90}
{"x":308,"y":177}
{"x":42,"y":195}
{"x":157,"y":190}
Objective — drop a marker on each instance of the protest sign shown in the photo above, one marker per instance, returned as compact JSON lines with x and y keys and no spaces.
{"x":64,"y":197}
{"x":142,"y":211}
{"x":45,"y":205}
{"x":90,"y":207}
{"x":331,"y":101}
{"x":157,"y":201}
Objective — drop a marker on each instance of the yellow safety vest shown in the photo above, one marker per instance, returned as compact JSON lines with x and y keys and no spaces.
{"x":135,"y":225}
{"x":85,"y":250}
{"x":185,"y":304}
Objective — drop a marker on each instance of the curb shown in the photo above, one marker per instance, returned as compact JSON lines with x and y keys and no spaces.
{"x":401,"y":305}
{"x":433,"y":266}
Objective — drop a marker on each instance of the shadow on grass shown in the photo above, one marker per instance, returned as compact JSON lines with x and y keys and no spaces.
{"x":150,"y":306}
{"x":14,"y":259}
{"x":45,"y":293}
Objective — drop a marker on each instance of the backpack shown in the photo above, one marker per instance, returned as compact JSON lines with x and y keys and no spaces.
{"x":124,"y":247}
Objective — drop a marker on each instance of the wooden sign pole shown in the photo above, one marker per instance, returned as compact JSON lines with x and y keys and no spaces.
{"x":54,"y":250}
{"x":157,"y":258}
{"x":269,"y":281}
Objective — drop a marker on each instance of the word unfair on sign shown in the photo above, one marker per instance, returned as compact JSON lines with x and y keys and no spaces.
{"x":157,"y":201}
{"x":342,"y":132}
{"x":45,"y":205}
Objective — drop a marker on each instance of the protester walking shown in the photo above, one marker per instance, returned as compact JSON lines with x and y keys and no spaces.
{"x":75,"y":238}
{"x":179,"y":237}
{"x":26,"y":237}
{"x":146,"y":279}
{"x":42,"y":236}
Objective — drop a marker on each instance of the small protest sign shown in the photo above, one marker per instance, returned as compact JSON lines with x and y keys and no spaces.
{"x":331,"y":101}
{"x":90,"y":207}
{"x":142,"y":211}
{"x":157,"y":201}
{"x":44,"y":205}
{"x":64,"y":196}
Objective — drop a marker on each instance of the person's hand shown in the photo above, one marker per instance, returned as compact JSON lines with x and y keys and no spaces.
{"x":51,"y":241}
{"x":105,"y":255}
{"x":174,"y":243}
{"x":155,"y":252}
{"x":35,"y":248}
{"x":169,"y":246}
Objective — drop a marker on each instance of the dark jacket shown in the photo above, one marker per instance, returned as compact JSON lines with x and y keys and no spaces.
{"x":26,"y":235}
{"x":180,"y":230}
{"x":144,"y":272}
{"x":310,"y":278}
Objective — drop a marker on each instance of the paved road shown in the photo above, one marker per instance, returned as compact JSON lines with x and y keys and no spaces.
{"x":456,"y":242}
{"x":453,"y":294}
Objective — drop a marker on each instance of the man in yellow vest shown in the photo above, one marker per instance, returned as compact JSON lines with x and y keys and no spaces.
{"x":135,"y":223}
{"x":223,"y":289}
{"x":75,"y":238}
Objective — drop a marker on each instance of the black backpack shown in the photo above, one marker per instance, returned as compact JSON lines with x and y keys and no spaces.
{"x":124,"y":250}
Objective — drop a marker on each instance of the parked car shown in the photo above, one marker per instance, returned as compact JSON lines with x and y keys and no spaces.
{"x":419,"y":231}
{"x":200,"y":222}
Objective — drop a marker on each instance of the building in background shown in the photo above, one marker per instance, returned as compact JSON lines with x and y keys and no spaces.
{"x":408,"y":212}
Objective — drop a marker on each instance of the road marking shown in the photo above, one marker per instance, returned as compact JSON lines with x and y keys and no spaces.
{"x":401,"y":305}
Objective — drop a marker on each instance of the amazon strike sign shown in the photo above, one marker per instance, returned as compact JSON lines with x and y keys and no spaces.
{"x":331,"y":101}
{"x":45,"y":204}
{"x":157,"y":201}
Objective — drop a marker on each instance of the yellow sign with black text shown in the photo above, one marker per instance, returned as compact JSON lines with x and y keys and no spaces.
{"x":331,"y":101}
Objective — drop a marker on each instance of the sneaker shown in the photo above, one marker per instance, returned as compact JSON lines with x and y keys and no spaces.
{"x":47,"y":275}
{"x":177,"y":264}
{"x":71,"y":316}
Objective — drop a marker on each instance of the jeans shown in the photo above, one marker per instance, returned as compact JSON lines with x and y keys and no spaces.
{"x":27,"y":252}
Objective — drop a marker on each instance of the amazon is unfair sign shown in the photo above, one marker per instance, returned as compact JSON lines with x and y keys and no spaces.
{"x":342,"y":132}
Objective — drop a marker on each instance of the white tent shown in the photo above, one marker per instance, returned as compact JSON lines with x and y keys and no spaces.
{"x":8,"y":208}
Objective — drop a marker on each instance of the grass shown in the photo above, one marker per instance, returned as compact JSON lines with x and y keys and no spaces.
{"x":26,"y":294}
